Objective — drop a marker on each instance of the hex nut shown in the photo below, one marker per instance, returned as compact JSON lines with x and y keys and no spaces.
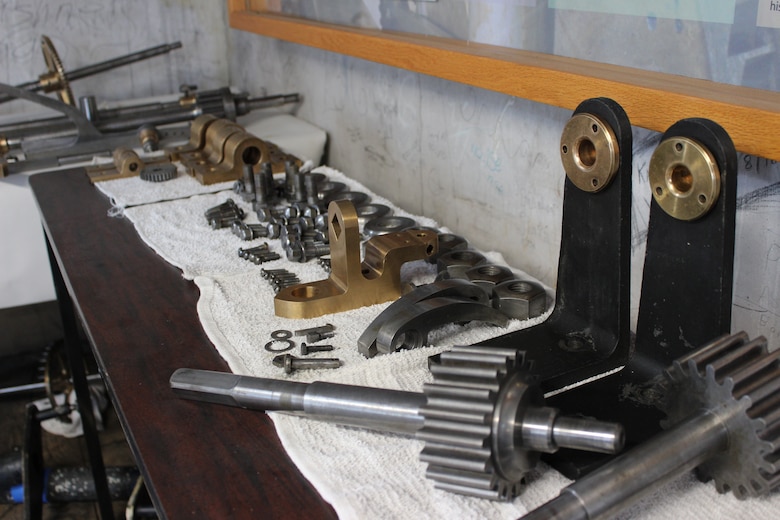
{"x":448,"y":242}
{"x":488,"y":276}
{"x":455,"y":263}
{"x":520,"y":299}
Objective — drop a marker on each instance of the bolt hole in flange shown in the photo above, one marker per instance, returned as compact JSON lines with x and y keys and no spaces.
{"x":685,"y":178}
{"x":589,"y":152}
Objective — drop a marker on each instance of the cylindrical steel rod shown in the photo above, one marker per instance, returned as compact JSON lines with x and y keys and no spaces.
{"x":639,"y":472}
{"x":381,"y":409}
{"x":121,"y":61}
{"x":103,"y":66}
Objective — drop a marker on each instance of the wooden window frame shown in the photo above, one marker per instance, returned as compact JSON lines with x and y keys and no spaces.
{"x":652,"y":100}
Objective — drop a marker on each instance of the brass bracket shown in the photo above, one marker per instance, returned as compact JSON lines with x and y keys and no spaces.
{"x":352,"y":283}
{"x":126,"y":164}
{"x":218,"y":149}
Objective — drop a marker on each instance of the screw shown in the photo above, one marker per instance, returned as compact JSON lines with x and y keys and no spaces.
{"x":314,"y":337}
{"x":268,"y":273}
{"x":308,"y":349}
{"x":291,"y":363}
{"x":243,"y":253}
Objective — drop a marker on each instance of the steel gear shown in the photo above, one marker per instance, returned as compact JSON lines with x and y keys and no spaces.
{"x":740,"y":381}
{"x":472,"y":405}
{"x":158,"y":172}
{"x":54,"y":80}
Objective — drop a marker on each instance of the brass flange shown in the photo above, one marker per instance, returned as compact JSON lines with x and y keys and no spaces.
{"x":684,"y":177}
{"x":353,"y":284}
{"x":589,"y":152}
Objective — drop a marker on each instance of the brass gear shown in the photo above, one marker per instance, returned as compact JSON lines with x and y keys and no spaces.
{"x":739,"y":380}
{"x":54,"y":80}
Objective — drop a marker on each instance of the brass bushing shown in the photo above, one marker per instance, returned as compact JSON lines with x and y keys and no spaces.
{"x":217,"y":135}
{"x":127,"y":162}
{"x":684,"y":177}
{"x":589,"y":152}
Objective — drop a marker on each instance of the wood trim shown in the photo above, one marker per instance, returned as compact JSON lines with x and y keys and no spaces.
{"x":652,"y":100}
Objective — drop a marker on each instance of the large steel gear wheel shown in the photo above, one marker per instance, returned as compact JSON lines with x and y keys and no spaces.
{"x":476,"y":398}
{"x":740,"y":381}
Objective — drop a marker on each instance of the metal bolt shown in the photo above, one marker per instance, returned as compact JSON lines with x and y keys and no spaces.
{"x":314,"y":337}
{"x":322,"y":328}
{"x":268,"y":273}
{"x":308,"y":349}
{"x":291,"y":363}
{"x":229,"y":203}
{"x":312,"y":189}
{"x":222,"y":222}
{"x":243,"y":253}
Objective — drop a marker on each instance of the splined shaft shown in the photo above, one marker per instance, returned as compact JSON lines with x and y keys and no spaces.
{"x":526,"y":428}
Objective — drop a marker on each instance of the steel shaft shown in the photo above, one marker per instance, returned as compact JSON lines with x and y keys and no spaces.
{"x":380,"y":409}
{"x":638,"y":472}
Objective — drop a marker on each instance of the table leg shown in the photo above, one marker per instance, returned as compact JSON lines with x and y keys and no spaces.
{"x":78,"y":373}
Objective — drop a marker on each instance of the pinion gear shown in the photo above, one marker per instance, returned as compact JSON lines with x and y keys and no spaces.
{"x":739,"y":380}
{"x":470,"y":415}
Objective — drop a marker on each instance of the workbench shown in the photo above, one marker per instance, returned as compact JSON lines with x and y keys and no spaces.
{"x":139,"y":316}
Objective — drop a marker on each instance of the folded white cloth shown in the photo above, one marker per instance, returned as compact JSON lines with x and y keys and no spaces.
{"x":363,"y":474}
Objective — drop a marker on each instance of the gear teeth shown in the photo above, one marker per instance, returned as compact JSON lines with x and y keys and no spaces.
{"x":458,"y":420}
{"x":739,"y":377}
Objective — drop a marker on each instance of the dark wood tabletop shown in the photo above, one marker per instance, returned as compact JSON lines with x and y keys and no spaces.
{"x":198,"y":460}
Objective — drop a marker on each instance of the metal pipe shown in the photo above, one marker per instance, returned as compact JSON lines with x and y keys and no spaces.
{"x":640,"y":471}
{"x":376,"y":408}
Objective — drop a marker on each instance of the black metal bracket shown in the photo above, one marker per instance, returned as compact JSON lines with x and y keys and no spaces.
{"x":686,"y":301}
{"x":588,"y":332}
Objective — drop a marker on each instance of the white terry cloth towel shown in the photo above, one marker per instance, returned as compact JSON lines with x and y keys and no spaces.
{"x":362,"y":473}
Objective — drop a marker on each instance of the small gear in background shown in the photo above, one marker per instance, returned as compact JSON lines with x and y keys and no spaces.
{"x":739,"y":381}
{"x":158,"y":172}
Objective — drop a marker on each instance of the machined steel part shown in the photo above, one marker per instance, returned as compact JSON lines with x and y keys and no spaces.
{"x":404,"y":307}
{"x":485,"y":424}
{"x":158,"y":172}
{"x":410,"y":326}
{"x":722,"y":404}
{"x":449,"y":242}
{"x":388,"y":224}
{"x":520,"y":299}
{"x":455,"y":263}
{"x":368,"y":212}
{"x":482,"y":418}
